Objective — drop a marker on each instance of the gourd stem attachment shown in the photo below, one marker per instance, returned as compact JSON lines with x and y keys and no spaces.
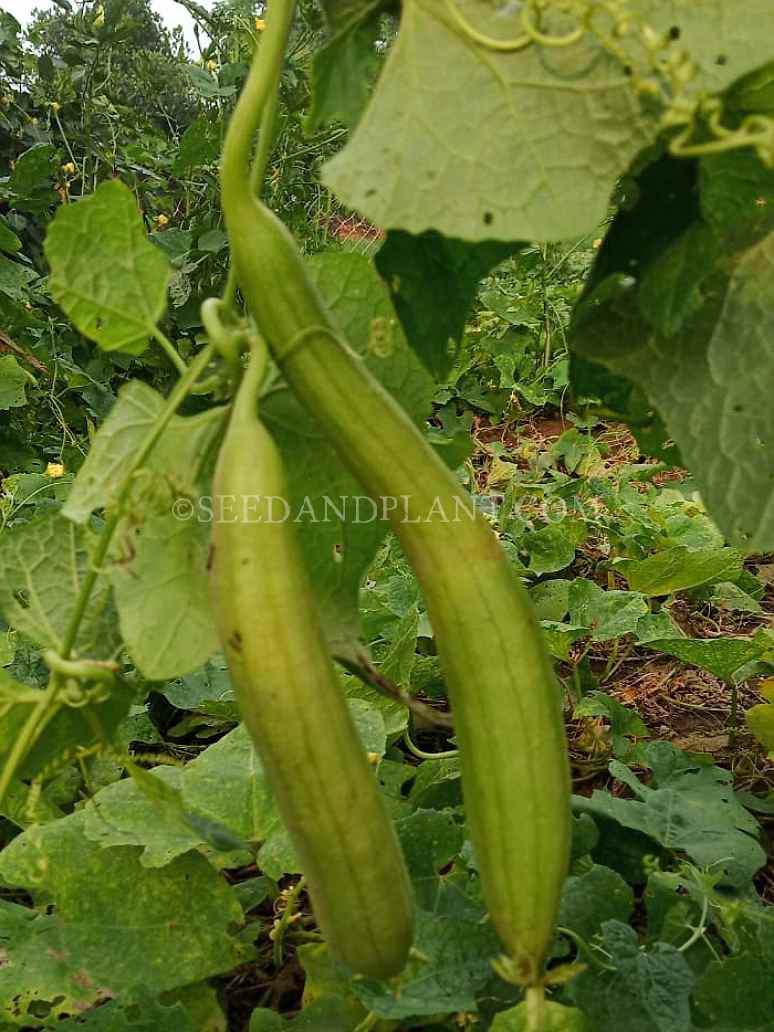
{"x":535,"y":997}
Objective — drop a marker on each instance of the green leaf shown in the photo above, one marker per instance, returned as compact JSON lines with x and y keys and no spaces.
{"x":175,"y":243}
{"x":430,"y":840}
{"x":733,"y":599}
{"x":565,"y":121}
{"x":591,"y":898}
{"x":737,"y":994}
{"x":436,"y":781}
{"x":159,"y":559}
{"x":15,"y":278}
{"x":607,"y":614}
{"x":227,"y":783}
{"x":650,"y":986}
{"x":221,"y":798}
{"x":692,"y":811}
{"x":162,"y":594}
{"x":9,"y":241}
{"x":33,"y":169}
{"x":721,"y":656}
{"x":398,"y":662}
{"x":369,"y":724}
{"x":70,"y":960}
{"x":263,"y":1020}
{"x":707,"y":379}
{"x":560,"y":637}
{"x":760,"y":721}
{"x":147,"y":1016}
{"x":213,"y":241}
{"x":657,"y":627}
{"x":206,"y":84}
{"x":557,"y":1019}
{"x":13,"y":382}
{"x":122,"y":814}
{"x":344,"y":67}
{"x":277,"y":856}
{"x":624,"y":723}
{"x":453,"y":961}
{"x":551,"y":599}
{"x":199,"y":145}
{"x":108,"y":278}
{"x":328,"y":992}
{"x":181,"y":458}
{"x":736,"y":193}
{"x":670,"y":290}
{"x":677,"y":569}
{"x":43,"y":565}
{"x":208,"y":690}
{"x":433,"y":283}
{"x":552,"y":547}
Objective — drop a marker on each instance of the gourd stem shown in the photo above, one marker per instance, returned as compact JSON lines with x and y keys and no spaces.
{"x":255,"y":104}
{"x":246,"y":401}
{"x":535,"y":998}
{"x":257,"y":176}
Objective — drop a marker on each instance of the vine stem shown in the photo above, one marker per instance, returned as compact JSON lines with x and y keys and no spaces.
{"x":257,"y":103}
{"x":733,"y":718}
{"x":171,"y":351}
{"x":420,"y":754}
{"x":364,"y":669}
{"x":33,"y":726}
{"x":281,"y":927}
{"x":174,"y":401}
{"x":46,"y":708}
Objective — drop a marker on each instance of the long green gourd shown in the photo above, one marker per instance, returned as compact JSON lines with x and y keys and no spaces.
{"x":500,"y":679}
{"x":294,"y":708}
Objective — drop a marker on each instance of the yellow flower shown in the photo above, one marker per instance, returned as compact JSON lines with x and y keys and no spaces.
{"x":55,"y":469}
{"x":69,"y":168}
{"x":212,"y":66}
{"x":260,"y":24}
{"x":55,"y":106}
{"x":162,"y":220}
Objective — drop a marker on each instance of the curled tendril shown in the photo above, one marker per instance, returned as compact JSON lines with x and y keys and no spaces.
{"x":757,"y":133}
{"x":530,"y":14}
{"x":583,"y":10}
{"x":536,"y":36}
{"x":75,"y":695}
{"x":503,"y":46}
{"x":664,"y":76}
{"x":228,"y":340}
